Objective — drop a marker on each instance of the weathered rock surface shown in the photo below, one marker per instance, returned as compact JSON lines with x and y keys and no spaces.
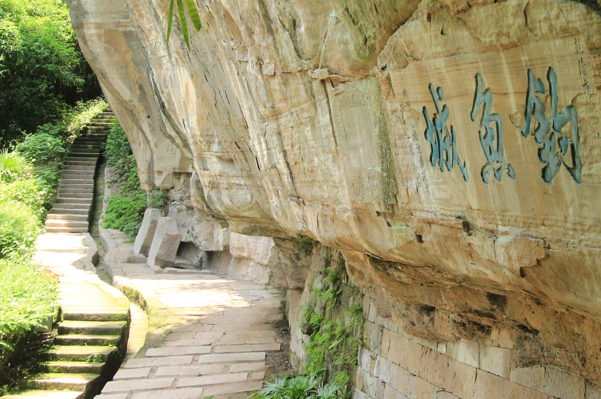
{"x":396,"y":132}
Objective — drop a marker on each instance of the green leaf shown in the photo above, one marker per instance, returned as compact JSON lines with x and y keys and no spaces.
{"x":182,"y":20}
{"x":170,"y":21}
{"x":193,"y":14}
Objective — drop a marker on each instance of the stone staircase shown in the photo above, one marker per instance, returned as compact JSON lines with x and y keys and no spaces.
{"x":86,"y":351}
{"x":72,"y":210}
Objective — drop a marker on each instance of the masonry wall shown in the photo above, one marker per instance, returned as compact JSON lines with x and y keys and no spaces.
{"x":395,"y":365}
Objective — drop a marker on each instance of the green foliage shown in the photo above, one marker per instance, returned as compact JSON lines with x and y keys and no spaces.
{"x":116,"y":148}
{"x":125,"y":213}
{"x":334,"y":330}
{"x":41,"y":66}
{"x":304,"y":245}
{"x":299,"y":387}
{"x":19,"y":227}
{"x":27,"y":297}
{"x":126,"y":208}
{"x":11,"y":165}
{"x":156,"y":199}
{"x":75,"y":119}
{"x":30,"y":192}
{"x":42,"y":148}
{"x":193,"y":12}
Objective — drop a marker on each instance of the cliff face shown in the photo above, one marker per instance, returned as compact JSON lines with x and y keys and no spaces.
{"x":449,"y":150}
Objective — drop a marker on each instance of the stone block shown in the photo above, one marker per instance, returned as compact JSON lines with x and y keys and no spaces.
{"x":464,"y":351}
{"x":164,"y":244}
{"x":372,"y":336}
{"x":531,"y":377}
{"x":461,"y":378}
{"x":401,"y":381}
{"x":369,"y":384}
{"x":396,"y":348}
{"x":563,"y":385}
{"x":192,"y":370}
{"x":495,"y":360}
{"x":420,"y":388}
{"x":385,"y":370}
{"x":391,"y":393}
{"x":432,"y":367}
{"x":492,"y":386}
{"x":247,"y":348}
{"x":367,"y":359}
{"x":147,"y":231}
{"x":251,"y":247}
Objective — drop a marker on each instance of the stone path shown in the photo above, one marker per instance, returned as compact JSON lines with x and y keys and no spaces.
{"x":209,"y":335}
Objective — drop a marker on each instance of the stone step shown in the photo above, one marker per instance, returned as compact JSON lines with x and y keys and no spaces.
{"x":69,"y":211}
{"x":82,"y":146}
{"x":91,"y":327}
{"x":82,"y":162}
{"x":82,"y":154}
{"x":73,"y":367}
{"x":87,"y":340}
{"x":66,"y":223}
{"x":77,"y":174}
{"x":94,"y":315}
{"x":66,"y":216}
{"x":70,"y":200}
{"x":34,"y":394}
{"x":74,"y":186}
{"x":80,"y":353}
{"x":77,"y":179}
{"x":87,"y":196}
{"x":62,"y":381}
{"x":76,"y":190}
{"x":50,"y":229}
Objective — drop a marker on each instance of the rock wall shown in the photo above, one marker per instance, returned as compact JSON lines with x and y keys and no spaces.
{"x":448,"y":149}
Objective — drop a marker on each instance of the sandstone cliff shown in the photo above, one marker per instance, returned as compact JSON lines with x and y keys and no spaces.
{"x":449,"y":150}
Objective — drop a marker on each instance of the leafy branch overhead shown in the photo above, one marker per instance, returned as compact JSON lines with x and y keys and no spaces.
{"x":192,"y":11}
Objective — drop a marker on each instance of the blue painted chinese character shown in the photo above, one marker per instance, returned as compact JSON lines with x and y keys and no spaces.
{"x":488,"y":134}
{"x":548,"y":133}
{"x":442,"y":141}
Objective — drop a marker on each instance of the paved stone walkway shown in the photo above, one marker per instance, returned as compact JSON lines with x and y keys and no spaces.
{"x":208,"y":335}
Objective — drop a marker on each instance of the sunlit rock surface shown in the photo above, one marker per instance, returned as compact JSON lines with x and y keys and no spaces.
{"x":451,"y":151}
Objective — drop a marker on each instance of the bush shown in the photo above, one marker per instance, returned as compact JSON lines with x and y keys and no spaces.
{"x":29,"y":192}
{"x":125,"y":209}
{"x":116,"y":148}
{"x":11,"y":165}
{"x":27,"y":297}
{"x":43,"y":148}
{"x":300,"y":387}
{"x":125,"y":212}
{"x":19,"y":228}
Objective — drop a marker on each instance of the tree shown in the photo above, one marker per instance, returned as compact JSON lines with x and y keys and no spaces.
{"x":41,"y":66}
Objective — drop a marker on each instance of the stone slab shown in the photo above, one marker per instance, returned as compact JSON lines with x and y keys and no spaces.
{"x":186,"y":393}
{"x":158,"y":361}
{"x":247,"y":348}
{"x":178,"y":351}
{"x":126,"y":374}
{"x":233,"y":357}
{"x":137,"y":385}
{"x":212,"y":380}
